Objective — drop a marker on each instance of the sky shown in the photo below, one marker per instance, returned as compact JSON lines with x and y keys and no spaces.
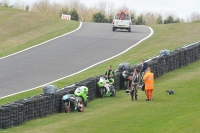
{"x":181,"y":8}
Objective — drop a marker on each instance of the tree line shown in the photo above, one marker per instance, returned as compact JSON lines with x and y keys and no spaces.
{"x":101,"y":12}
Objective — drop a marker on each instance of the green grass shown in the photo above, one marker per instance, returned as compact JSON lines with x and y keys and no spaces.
{"x":166,"y":114}
{"x":178,"y":113}
{"x":20,"y":29}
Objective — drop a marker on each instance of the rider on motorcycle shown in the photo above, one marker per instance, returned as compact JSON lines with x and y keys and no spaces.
{"x":109,"y":75}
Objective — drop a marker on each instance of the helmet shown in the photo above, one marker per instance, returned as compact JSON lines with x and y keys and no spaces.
{"x":124,"y":74}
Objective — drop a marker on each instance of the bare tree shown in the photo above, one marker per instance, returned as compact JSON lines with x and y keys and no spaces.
{"x":41,"y":6}
{"x":124,"y":8}
{"x":90,"y":12}
{"x":159,"y":19}
{"x":195,"y":16}
{"x":101,"y":7}
{"x":19,"y":4}
{"x":54,"y":9}
{"x":83,"y":12}
{"x":110,"y":10}
{"x":73,"y":4}
{"x":5,"y":3}
{"x":149,"y":17}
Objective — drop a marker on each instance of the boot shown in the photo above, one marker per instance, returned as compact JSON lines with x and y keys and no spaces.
{"x":131,"y":95}
{"x":136,"y":96}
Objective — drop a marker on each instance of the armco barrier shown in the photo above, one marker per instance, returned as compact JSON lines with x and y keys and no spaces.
{"x":17,"y":112}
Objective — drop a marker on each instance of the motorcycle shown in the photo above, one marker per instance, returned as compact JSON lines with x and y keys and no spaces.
{"x":106,"y":83}
{"x":76,"y":101}
{"x":81,"y":93}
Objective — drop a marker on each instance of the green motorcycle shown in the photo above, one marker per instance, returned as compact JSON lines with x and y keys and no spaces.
{"x":76,"y":101}
{"x":81,"y":93}
{"x":106,"y":87}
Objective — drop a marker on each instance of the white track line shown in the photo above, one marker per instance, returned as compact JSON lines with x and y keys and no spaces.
{"x":87,"y":67}
{"x":42,"y":42}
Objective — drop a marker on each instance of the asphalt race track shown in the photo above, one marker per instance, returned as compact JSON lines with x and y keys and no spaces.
{"x":58,"y":58}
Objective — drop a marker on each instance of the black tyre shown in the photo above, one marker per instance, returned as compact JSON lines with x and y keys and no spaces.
{"x":126,"y":83}
{"x":113,"y":28}
{"x":81,"y":107}
{"x":113,"y":92}
{"x":129,"y":30}
{"x":101,"y":92}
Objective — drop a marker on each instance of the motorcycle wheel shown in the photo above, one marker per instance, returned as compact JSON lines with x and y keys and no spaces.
{"x":113,"y":92}
{"x":81,"y":109}
{"x":101,"y":93}
{"x":67,"y":107}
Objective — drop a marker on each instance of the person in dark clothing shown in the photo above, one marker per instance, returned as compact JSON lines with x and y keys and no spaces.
{"x":142,"y":70}
{"x":135,"y":83}
{"x":144,"y":66}
{"x":109,"y":73}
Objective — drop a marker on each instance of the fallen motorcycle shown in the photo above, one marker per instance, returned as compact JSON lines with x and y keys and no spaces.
{"x":76,"y":101}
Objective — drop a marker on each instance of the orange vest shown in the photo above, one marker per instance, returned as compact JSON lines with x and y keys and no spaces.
{"x":149,"y":80}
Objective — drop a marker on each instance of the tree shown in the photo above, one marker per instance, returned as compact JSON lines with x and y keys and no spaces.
{"x":123,"y":8}
{"x":110,"y":10}
{"x":170,"y":19}
{"x":99,"y":18}
{"x":177,"y":20}
{"x":74,"y":15}
{"x":64,"y":11}
{"x":5,"y":3}
{"x":133,"y":16}
{"x":101,"y":7}
{"x":110,"y":19}
{"x":27,"y":8}
{"x":42,"y":6}
{"x":159,"y":19}
{"x":195,"y":16}
{"x":140,"y":20}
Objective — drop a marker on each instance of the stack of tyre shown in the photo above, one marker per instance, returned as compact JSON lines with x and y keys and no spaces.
{"x":117,"y":81}
{"x":122,"y":67}
{"x":155,"y":67}
{"x":11,"y":115}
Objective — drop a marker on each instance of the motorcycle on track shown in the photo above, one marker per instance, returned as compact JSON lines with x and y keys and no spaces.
{"x":76,"y":101}
{"x":106,"y":87}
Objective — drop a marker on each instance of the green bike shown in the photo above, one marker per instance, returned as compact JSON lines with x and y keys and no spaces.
{"x":106,"y":87}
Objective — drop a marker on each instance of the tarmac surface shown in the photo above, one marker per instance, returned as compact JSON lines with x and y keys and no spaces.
{"x":66,"y":55}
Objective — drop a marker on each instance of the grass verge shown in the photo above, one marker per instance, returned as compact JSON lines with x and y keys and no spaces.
{"x":21,"y":29}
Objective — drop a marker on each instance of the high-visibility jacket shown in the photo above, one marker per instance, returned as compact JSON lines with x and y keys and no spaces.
{"x":149,"y":80}
{"x":110,"y":73}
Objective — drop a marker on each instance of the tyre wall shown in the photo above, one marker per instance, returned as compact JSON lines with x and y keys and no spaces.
{"x":17,"y":112}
